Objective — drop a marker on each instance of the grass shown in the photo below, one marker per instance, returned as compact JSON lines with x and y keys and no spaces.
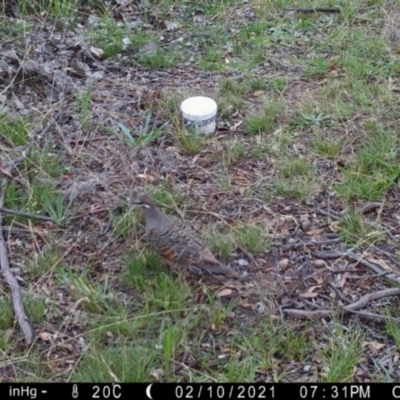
{"x":308,"y":116}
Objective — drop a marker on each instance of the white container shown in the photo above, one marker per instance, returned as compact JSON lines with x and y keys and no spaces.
{"x":200,"y":112}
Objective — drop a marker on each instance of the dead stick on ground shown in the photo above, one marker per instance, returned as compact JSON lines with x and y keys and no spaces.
{"x":320,"y":313}
{"x":314,"y":10}
{"x":24,"y":214}
{"x":351,"y":308}
{"x":22,"y":318}
{"x":342,"y":254}
{"x":370,"y":297}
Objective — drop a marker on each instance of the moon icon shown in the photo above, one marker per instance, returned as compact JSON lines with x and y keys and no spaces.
{"x":148,"y":394}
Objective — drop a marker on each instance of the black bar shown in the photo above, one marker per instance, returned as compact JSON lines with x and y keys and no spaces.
{"x":161,"y":391}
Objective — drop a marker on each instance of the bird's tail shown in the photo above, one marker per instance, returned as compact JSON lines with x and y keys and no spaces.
{"x":222,"y":269}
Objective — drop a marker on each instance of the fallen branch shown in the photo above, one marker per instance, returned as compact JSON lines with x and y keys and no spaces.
{"x":321,"y":313}
{"x":373,"y":317}
{"x":9,"y":277}
{"x":311,"y":243}
{"x":329,"y":214}
{"x":313,"y":10}
{"x":24,"y":214}
{"x":342,"y":254}
{"x":351,"y":308}
{"x":370,"y":297}
{"x":368,"y":207}
{"x":338,"y":293}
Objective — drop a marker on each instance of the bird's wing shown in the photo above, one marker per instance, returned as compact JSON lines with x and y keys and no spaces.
{"x":179,"y":244}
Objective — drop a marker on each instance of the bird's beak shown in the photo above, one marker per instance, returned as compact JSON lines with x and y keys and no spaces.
{"x":136,"y":202}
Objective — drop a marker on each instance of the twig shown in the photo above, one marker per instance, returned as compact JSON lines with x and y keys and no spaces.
{"x":370,"y":297}
{"x":330,"y":214}
{"x":320,"y":313}
{"x":342,"y":254}
{"x":313,"y":10}
{"x":373,"y":267}
{"x":83,"y":215}
{"x":338,"y":292}
{"x":373,"y":317}
{"x":311,"y":243}
{"x":351,"y":308}
{"x":368,"y":207}
{"x":24,"y":214}
{"x":328,"y":255}
{"x":390,"y":234}
{"x":355,"y":277}
{"x":22,"y":318}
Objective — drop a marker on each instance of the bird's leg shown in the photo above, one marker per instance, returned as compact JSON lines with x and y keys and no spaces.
{"x":194,"y":269}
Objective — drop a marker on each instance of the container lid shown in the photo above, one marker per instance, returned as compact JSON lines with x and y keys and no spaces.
{"x":198,"y":108}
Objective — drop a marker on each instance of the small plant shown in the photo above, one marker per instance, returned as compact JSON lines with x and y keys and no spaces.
{"x":392,"y":328}
{"x":327,"y":147}
{"x":299,"y":188}
{"x":6,"y":314}
{"x":13,"y":133}
{"x":251,"y":238}
{"x":221,"y":245}
{"x":342,"y":353}
{"x":83,"y":103}
{"x":257,"y":124}
{"x":295,"y":167}
{"x":169,"y":348}
{"x":356,"y":185}
{"x":191,"y":141}
{"x":231,"y":86}
{"x":354,"y":230}
{"x":264,"y":122}
{"x":44,"y":262}
{"x":314,"y":119}
{"x":229,"y":104}
{"x":232,"y":152}
{"x":260,"y":149}
{"x":318,"y":67}
{"x":92,"y":295}
{"x":125,"y":225}
{"x":277,"y":85}
{"x":146,"y":137}
{"x":140,"y":267}
{"x":58,"y":211}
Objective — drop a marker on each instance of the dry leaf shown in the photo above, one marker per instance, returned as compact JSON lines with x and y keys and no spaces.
{"x":284,"y":263}
{"x":335,"y":226}
{"x":45,"y":336}
{"x":97,"y":52}
{"x":157,"y":373}
{"x":374,"y":346}
{"x":67,"y":346}
{"x":8,"y":333}
{"x":314,"y":232}
{"x":5,"y":172}
{"x":308,"y":295}
{"x":146,"y":177}
{"x":312,"y":288}
{"x":224,"y":292}
{"x":344,"y":279}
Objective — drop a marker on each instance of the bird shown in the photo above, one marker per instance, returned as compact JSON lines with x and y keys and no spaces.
{"x":175,"y":242}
